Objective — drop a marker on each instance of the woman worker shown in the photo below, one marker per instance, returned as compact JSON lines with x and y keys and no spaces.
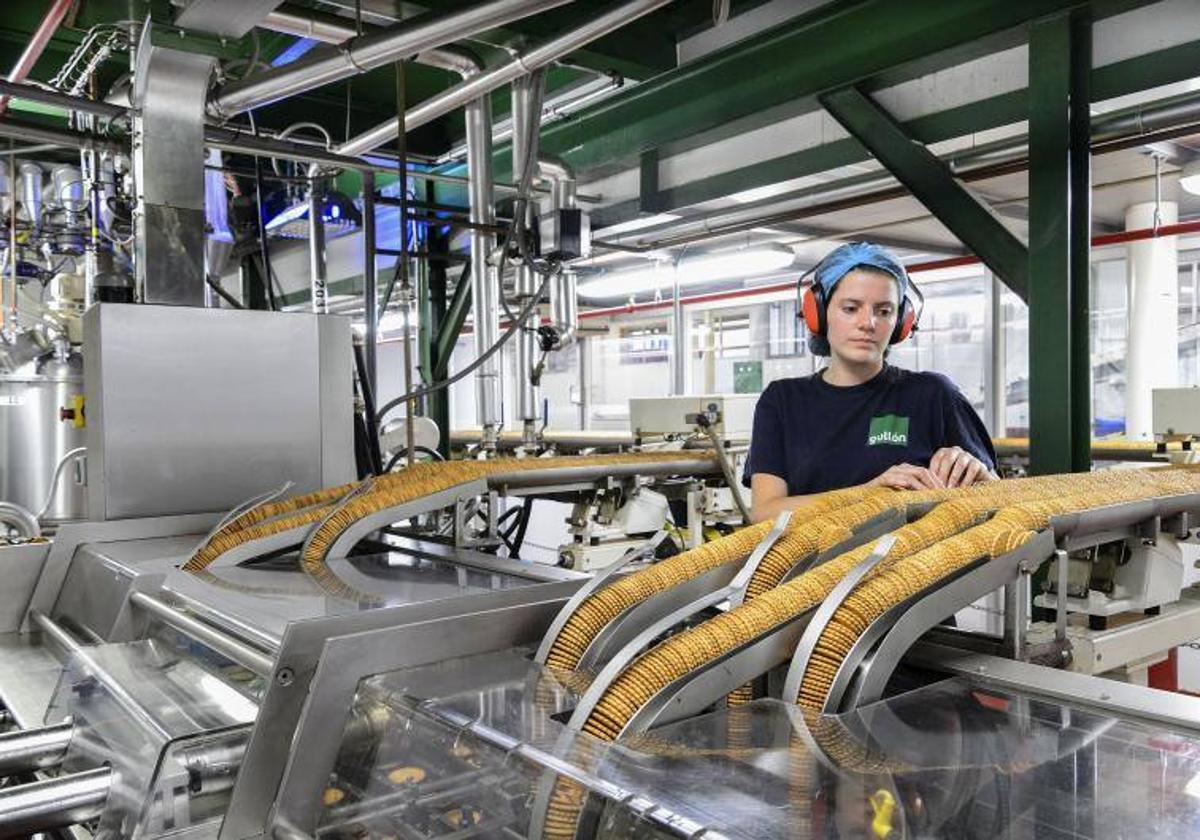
{"x":860,"y":421}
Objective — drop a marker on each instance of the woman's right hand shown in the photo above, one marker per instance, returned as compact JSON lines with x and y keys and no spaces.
{"x":907,"y":477}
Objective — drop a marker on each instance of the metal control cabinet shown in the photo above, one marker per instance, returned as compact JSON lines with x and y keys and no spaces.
{"x":1176,"y":411}
{"x":733,"y":414}
{"x":199,"y":409}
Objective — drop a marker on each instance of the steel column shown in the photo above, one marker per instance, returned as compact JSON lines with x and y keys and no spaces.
{"x":1080,"y":242}
{"x":439,"y":401}
{"x":318,"y":279}
{"x":451,"y":326}
{"x":526,"y":118}
{"x":932,"y":183}
{"x":370,"y":281}
{"x":1051,"y":403}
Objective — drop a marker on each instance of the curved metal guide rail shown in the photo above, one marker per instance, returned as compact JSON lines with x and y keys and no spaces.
{"x":350,"y":537}
{"x":727,"y":581}
{"x":873,"y":658}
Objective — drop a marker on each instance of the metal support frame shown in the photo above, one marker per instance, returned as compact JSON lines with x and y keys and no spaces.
{"x":370,"y":282}
{"x":932,"y":183}
{"x":728,"y":86}
{"x":1120,"y":699}
{"x":438,"y":402}
{"x":236,"y":651}
{"x":865,"y":672}
{"x":1080,"y":223}
{"x":1059,"y":416}
{"x":648,"y":200}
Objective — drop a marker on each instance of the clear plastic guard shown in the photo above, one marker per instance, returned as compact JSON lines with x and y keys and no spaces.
{"x":479,"y":747}
{"x":131,"y":705}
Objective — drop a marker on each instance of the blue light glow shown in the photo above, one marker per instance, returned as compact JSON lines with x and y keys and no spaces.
{"x":297,"y":49}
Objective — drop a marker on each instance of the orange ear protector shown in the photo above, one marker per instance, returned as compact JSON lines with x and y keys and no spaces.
{"x":813,"y":306}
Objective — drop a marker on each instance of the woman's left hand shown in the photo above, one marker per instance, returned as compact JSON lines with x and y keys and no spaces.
{"x":957,"y":467}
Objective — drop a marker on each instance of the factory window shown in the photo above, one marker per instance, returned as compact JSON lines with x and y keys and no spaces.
{"x":951,"y":338}
{"x":731,"y":336}
{"x":645,"y":344}
{"x":786,"y":335}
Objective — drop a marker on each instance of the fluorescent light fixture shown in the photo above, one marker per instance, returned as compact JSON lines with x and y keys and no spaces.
{"x":1189,"y":177}
{"x":638,"y":224}
{"x":391,"y":321}
{"x":741,"y":264}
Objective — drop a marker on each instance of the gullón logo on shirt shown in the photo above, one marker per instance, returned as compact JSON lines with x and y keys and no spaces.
{"x":888,"y":430}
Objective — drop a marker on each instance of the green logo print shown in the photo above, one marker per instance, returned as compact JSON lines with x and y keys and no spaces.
{"x":888,"y":429}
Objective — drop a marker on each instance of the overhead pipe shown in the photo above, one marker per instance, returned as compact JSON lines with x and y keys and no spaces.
{"x":526,"y":117}
{"x":367,"y":52}
{"x":291,"y":21}
{"x":501,"y":74}
{"x":485,"y":285}
{"x":37,"y":44}
{"x":564,"y":306}
{"x":18,"y":90}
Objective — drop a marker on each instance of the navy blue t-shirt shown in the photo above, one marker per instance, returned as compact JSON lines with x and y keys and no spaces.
{"x":817,"y":436}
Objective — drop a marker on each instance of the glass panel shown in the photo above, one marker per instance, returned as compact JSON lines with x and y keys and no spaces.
{"x":478,"y":747}
{"x":129,"y":704}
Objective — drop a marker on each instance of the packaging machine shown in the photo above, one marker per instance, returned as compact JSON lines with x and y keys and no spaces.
{"x":184,"y":665}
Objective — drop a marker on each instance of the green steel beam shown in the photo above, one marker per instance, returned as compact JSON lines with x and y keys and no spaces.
{"x":1143,"y":72}
{"x":1051,"y":406}
{"x":648,"y":192}
{"x":1080,"y":237}
{"x":437,"y":406}
{"x":831,"y":47}
{"x":931,"y":181}
{"x":451,"y":326}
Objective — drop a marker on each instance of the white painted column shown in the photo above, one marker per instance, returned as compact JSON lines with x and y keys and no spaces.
{"x":1152,"y":360}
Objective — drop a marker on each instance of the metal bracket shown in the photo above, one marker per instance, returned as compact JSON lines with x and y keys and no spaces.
{"x":875,"y":665}
{"x":358,"y":529}
{"x":584,"y":592}
{"x":239,"y":510}
{"x":742,"y":579}
{"x":831,"y":604}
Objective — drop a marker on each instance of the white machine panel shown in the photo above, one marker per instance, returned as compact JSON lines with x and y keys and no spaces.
{"x":192,"y":410}
{"x":1176,"y":411}
{"x":669,"y":415}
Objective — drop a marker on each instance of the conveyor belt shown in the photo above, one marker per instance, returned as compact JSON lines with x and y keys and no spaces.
{"x":925,"y":553}
{"x":417,"y":489}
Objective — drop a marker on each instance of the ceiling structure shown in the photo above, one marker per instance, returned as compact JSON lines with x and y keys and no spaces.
{"x":736,"y":127}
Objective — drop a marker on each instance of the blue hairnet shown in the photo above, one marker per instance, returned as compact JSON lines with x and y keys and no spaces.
{"x":845,"y":258}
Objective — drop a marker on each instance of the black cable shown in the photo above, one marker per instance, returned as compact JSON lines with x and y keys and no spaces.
{"x":403,"y":453}
{"x":471,"y":368}
{"x":225,"y":296}
{"x":364,"y":385}
{"x":519,"y":539}
{"x":515,"y":321}
{"x":262,"y":232}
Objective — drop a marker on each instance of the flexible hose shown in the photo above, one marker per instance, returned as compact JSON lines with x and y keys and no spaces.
{"x":71,"y":455}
